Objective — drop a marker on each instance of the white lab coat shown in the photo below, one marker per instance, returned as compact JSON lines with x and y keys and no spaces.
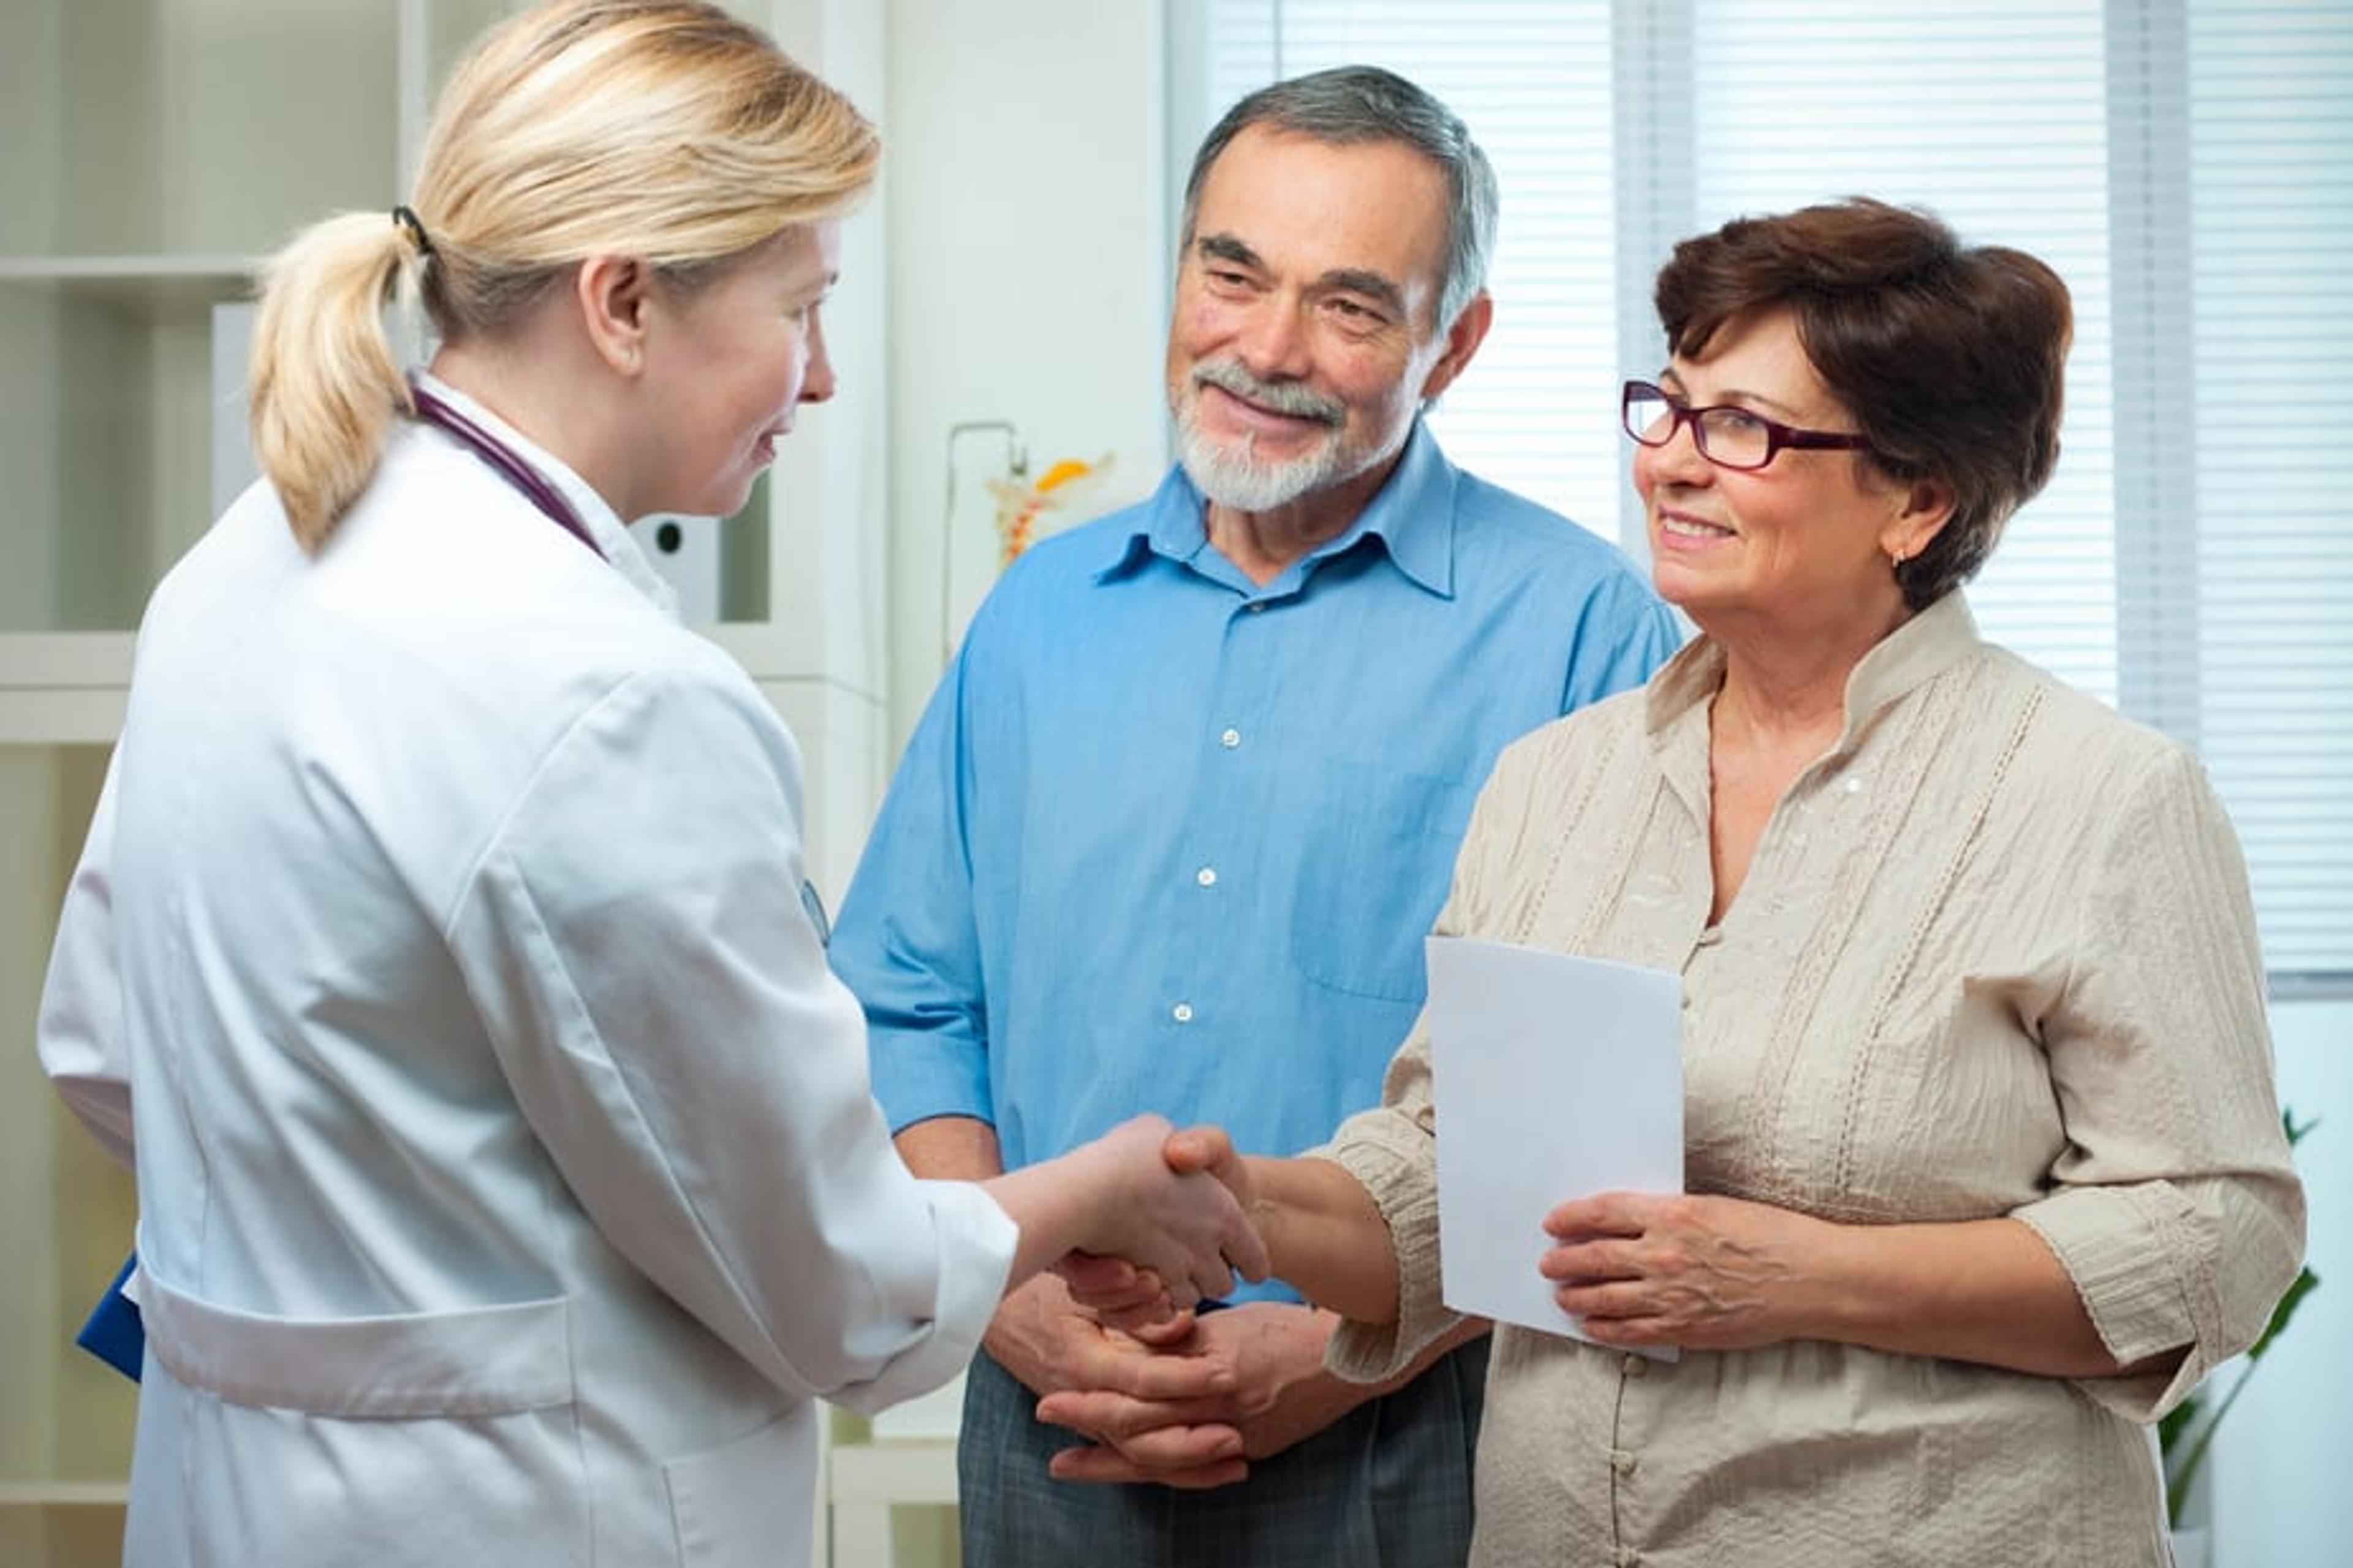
{"x":508,"y":1184}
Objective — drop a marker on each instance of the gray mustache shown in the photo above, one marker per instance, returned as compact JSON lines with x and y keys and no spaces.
{"x":1283,"y":397}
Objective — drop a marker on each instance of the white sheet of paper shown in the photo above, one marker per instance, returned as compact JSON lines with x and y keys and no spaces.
{"x":1554,"y":1077}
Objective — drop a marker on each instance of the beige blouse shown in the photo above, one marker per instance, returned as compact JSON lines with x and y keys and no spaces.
{"x":1994,"y":956}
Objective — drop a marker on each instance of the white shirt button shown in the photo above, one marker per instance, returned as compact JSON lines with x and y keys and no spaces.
{"x":1182,"y":1012}
{"x":1206,"y":875}
{"x":1257,"y":607}
{"x":1230,"y":739}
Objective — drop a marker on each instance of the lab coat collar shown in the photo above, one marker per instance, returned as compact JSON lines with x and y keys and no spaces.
{"x":613,"y":538}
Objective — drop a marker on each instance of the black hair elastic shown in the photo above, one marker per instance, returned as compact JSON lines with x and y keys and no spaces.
{"x":405,"y":218}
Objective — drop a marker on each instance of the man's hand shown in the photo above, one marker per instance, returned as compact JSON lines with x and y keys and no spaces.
{"x":1050,"y":1344}
{"x":1271,"y":1391}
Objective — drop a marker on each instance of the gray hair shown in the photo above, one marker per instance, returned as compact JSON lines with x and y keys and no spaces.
{"x":1351,"y":104}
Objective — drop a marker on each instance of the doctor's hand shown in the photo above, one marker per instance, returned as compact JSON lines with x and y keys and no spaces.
{"x":1177,"y":1219}
{"x":1704,"y":1273}
{"x":1125,"y":1296}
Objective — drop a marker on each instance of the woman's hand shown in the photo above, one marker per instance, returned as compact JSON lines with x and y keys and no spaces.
{"x":1723,"y":1274}
{"x":1207,"y":1149}
{"x":1704,"y":1273}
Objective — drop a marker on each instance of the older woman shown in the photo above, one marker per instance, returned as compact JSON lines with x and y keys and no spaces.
{"x":1985,"y":1167}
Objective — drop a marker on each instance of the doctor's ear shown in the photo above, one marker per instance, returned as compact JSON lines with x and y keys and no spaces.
{"x":610,"y":291}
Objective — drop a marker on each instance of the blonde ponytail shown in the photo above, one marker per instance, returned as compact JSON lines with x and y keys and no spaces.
{"x":326,"y":383}
{"x":667,"y":130}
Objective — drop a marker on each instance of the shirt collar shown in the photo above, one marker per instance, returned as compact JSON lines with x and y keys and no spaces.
{"x":1412,"y":514}
{"x":1901,"y":662}
{"x":619,"y":545}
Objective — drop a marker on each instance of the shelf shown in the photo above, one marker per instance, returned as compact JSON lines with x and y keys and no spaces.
{"x":106,"y":431}
{"x":143,"y":126}
{"x":866,"y":1483}
{"x":66,"y":660}
{"x":63,"y":688}
{"x":61,"y":1535}
{"x":69,"y":687}
{"x":142,"y":285}
{"x":64,"y":1494}
{"x":67,"y":1211}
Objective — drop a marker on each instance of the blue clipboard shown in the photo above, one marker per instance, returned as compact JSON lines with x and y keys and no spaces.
{"x":113,"y":1332}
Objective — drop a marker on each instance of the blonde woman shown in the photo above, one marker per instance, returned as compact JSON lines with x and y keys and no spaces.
{"x":441,"y":951}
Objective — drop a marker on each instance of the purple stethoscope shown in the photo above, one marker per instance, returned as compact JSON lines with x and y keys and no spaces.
{"x":504,"y":461}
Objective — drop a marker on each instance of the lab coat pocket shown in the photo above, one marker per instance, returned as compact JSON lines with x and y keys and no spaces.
{"x":747,"y":1503}
{"x":461,"y":1362}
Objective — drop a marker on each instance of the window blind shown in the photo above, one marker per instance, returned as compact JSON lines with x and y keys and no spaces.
{"x":2186,"y":165}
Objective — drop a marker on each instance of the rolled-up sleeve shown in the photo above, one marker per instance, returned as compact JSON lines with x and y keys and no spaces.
{"x":2176,"y":1210}
{"x":1392,"y":1151}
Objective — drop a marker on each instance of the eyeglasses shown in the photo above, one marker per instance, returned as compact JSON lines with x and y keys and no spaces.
{"x":1727,"y":436}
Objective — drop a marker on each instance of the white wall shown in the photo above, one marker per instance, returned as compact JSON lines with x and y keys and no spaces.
{"x":1029,"y":239}
{"x":830,"y":488}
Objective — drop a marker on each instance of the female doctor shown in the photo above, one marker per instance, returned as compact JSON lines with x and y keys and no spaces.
{"x":440,"y":951}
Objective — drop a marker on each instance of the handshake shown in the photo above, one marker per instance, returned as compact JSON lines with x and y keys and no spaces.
{"x":1143,"y":1223}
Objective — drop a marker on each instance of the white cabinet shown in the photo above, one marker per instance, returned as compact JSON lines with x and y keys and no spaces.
{"x":66,"y":1211}
{"x":156,"y":149}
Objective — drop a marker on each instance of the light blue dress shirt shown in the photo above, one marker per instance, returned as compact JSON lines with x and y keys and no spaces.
{"x":1168,"y":840}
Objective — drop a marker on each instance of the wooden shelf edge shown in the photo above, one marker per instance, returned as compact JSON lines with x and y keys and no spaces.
{"x":140,"y":282}
{"x":64,"y":1494}
{"x":166,"y":264}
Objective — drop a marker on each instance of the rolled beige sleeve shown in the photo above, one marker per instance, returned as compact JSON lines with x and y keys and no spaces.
{"x":2176,"y":1212}
{"x":1392,"y":1151}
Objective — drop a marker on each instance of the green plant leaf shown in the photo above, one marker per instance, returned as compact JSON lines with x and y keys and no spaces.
{"x":2305,"y":1282}
{"x":2175,"y":1422}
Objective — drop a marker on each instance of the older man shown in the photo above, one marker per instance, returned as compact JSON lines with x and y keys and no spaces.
{"x":1172,"y":829}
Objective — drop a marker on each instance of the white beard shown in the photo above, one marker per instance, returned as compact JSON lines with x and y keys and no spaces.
{"x":1232,"y":474}
{"x":1236,"y":477}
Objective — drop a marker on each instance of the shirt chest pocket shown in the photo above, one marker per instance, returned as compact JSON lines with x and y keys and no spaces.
{"x":1379,"y":855}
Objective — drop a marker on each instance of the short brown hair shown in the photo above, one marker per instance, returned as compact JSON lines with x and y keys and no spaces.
{"x":1950,"y":358}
